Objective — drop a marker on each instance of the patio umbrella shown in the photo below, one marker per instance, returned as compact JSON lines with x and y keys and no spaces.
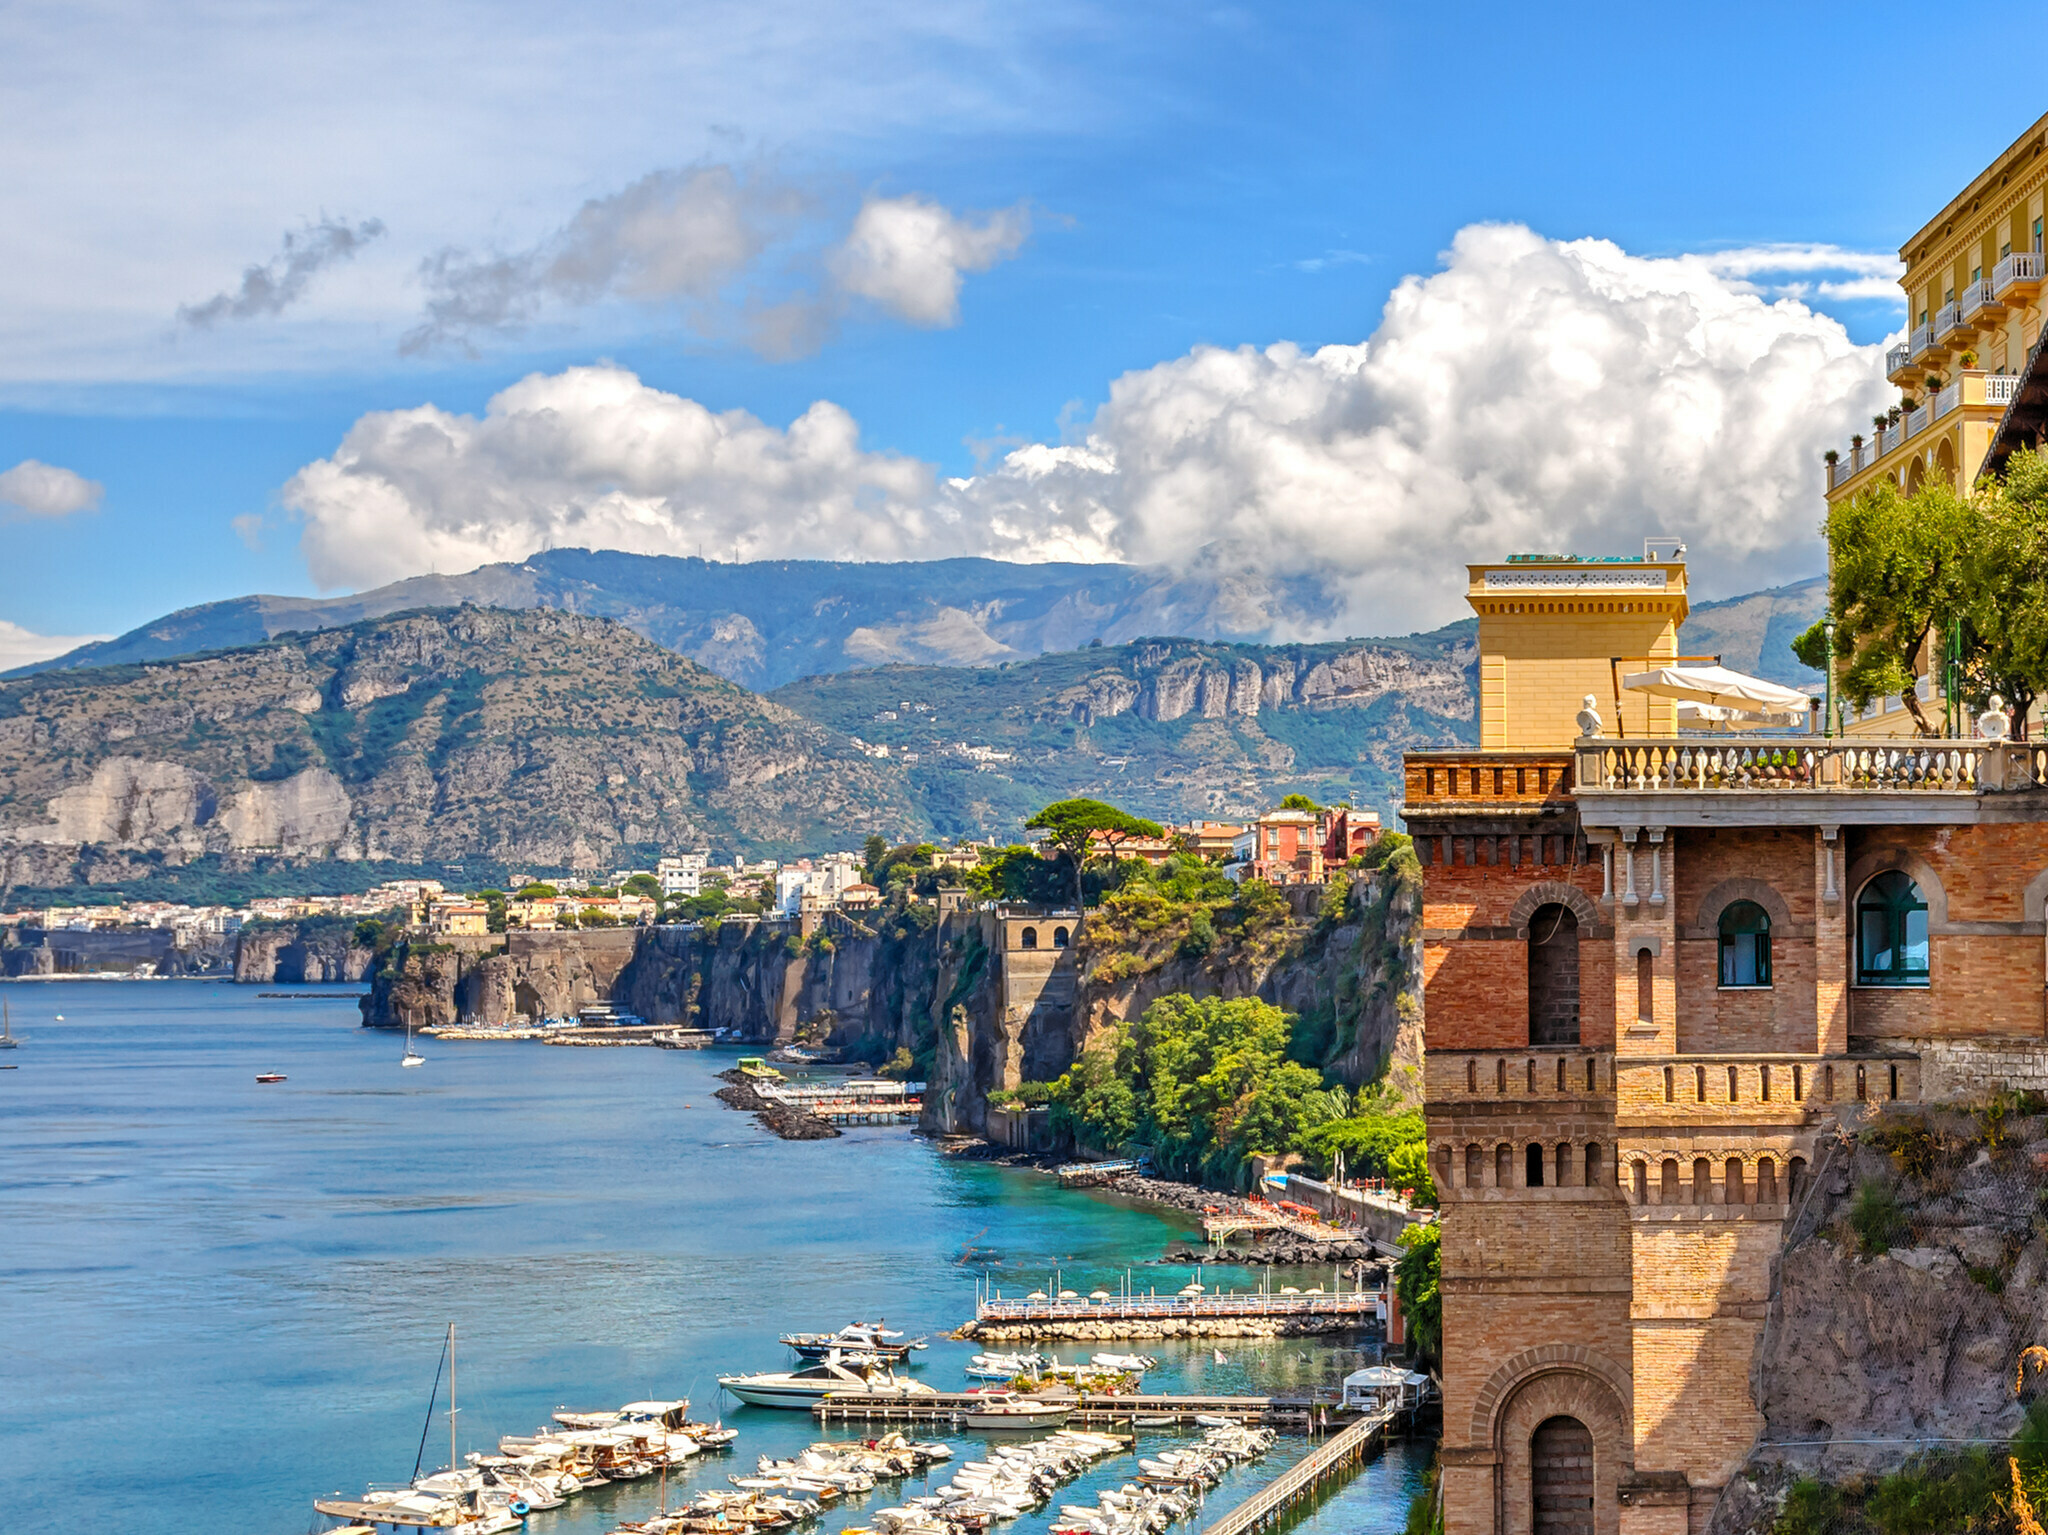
{"x":1717,"y":685}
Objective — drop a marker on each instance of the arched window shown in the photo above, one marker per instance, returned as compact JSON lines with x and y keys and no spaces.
{"x":1766,"y":1181}
{"x":1564,"y":1163}
{"x":1702,"y":1181}
{"x":1475,"y":1167}
{"x":1503,"y":1166}
{"x":1733,"y":1185}
{"x":1592,"y":1164}
{"x":1891,"y":932}
{"x":1471,"y":1076}
{"x":1745,"y":945}
{"x":1646,"y":987}
{"x":1667,"y":1193}
{"x":1554,"y":976}
{"x":1028,"y":939}
{"x":1534,"y":1168}
{"x":1642,"y":1182}
{"x":1059,"y":938}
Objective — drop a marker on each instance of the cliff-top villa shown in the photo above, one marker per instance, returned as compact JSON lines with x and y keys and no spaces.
{"x":1660,"y":970}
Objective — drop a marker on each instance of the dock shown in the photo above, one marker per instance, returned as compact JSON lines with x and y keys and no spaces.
{"x":1090,"y":1409}
{"x":1349,"y":1306}
{"x":1325,"y":1468}
{"x":1083,"y":1175}
{"x":860,"y":1102}
{"x":1262,"y":1218}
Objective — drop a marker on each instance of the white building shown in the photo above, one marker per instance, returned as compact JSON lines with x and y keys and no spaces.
{"x":684,"y":873}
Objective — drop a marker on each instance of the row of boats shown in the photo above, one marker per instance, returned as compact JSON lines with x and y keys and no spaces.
{"x":795,"y":1490}
{"x":1048,"y":1367}
{"x":491,"y":1494}
{"x":1014,"y":1480}
{"x":1171,"y":1485}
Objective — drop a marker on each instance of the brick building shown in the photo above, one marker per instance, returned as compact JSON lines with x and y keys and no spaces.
{"x":1659,"y":970}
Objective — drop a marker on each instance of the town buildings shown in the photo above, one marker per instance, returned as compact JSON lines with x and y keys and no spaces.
{"x":1658,"y":972}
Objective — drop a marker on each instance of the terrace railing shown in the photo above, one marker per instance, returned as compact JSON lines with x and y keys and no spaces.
{"x":1803,"y":763}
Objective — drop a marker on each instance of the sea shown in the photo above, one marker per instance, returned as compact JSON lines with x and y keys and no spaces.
{"x":221,"y":1299}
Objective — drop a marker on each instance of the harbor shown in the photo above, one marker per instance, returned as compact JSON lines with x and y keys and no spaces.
{"x":627,"y":1252}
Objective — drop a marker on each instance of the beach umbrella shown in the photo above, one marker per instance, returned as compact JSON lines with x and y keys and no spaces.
{"x":1717,"y":685}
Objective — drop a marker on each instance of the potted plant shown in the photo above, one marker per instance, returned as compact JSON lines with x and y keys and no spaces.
{"x":1892,"y":416}
{"x":1968,"y":360}
{"x":1856,"y":442}
{"x":1832,"y":458}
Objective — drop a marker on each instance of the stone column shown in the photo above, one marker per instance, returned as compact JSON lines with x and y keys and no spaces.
{"x":1832,"y":950}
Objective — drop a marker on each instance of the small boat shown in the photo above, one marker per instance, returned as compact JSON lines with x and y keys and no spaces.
{"x":1010,"y":1411}
{"x":7,"y":1039}
{"x":411,"y":1057}
{"x":270,"y":1076}
{"x":854,"y":1338}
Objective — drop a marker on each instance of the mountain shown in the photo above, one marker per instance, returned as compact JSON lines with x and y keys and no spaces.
{"x":1754,"y":633}
{"x":1171,"y":729}
{"x":536,"y":738}
{"x":771,"y":622}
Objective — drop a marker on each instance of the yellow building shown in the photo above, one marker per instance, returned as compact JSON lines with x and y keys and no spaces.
{"x":1554,"y":628}
{"x":1973,"y":302}
{"x":1973,"y":285}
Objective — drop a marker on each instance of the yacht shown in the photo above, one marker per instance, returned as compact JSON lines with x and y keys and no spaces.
{"x":801,"y":1388}
{"x":411,"y":1057}
{"x":853,"y":1338}
{"x":1009,"y":1410}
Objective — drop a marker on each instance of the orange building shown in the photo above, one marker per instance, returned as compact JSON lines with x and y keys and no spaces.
{"x":1659,"y":971}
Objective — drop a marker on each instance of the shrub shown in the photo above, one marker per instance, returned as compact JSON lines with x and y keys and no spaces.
{"x":901,"y":1066}
{"x":1201,"y":936}
{"x":1876,"y":1219}
{"x":1811,"y":1508}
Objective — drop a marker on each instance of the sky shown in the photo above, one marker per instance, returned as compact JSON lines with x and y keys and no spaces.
{"x":306,"y":298}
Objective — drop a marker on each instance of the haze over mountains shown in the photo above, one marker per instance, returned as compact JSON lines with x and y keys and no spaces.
{"x":770,"y":623}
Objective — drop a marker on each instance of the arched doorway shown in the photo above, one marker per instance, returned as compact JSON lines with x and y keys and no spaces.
{"x":1561,"y":1477}
{"x":1553,"y":976}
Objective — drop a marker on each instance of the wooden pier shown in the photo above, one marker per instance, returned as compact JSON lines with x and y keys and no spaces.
{"x":1089,"y":1409}
{"x":1349,"y":1306}
{"x":851,"y":1103}
{"x":1323,"y":1469}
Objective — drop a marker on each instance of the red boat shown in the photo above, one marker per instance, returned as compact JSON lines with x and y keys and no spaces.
{"x":270,"y":1076}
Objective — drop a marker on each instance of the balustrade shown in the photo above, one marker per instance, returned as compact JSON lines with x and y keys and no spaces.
{"x":1803,"y":763}
{"x":2017,"y":275}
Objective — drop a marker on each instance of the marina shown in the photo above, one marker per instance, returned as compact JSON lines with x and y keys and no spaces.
{"x":580,"y":1272}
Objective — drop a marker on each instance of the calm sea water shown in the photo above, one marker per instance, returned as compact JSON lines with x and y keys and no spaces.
{"x":223,"y":1298}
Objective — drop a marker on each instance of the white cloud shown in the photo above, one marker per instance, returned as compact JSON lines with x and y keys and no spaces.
{"x":21,"y":647}
{"x":1532,"y":395}
{"x":907,"y":255}
{"x":44,"y":490}
{"x":595,"y":458}
{"x":1789,"y":271}
{"x":280,"y":282}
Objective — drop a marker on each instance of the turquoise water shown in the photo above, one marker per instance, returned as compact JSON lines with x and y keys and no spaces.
{"x":223,"y":1299}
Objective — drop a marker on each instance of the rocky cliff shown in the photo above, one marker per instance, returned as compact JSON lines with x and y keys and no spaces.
{"x":306,"y":953}
{"x":539,"y":738}
{"x":1911,"y":1281}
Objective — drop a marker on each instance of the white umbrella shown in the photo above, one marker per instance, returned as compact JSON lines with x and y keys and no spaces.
{"x":1717,"y":685}
{"x":1690,"y":713}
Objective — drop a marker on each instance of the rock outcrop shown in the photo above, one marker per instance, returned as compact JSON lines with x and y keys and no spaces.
{"x":307,"y":953}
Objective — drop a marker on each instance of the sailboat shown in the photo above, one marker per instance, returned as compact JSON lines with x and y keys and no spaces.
{"x":7,"y":1039}
{"x":411,"y":1057}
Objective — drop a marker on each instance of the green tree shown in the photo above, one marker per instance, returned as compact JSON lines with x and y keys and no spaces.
{"x":1094,"y":1100}
{"x":1416,"y":1277}
{"x":536,"y":892}
{"x":1408,"y":1168}
{"x":1074,"y":826}
{"x":643,"y":884}
{"x":2006,"y":606}
{"x":1301,"y":802}
{"x":873,"y":851}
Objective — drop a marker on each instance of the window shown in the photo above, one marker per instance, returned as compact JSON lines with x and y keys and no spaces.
{"x":1059,"y":938}
{"x":1475,"y":1167}
{"x":1732,"y":1186}
{"x":1646,"y":988}
{"x":1503,"y":1166}
{"x":1745,"y":945}
{"x":1564,"y":1164}
{"x":1471,"y":1076}
{"x":1028,"y":939}
{"x":1593,"y":1164}
{"x":1554,"y":976}
{"x":1641,"y":1179}
{"x":1668,"y":1190}
{"x":1534,"y":1167}
{"x":1766,"y":1181}
{"x":1891,"y":932}
{"x":1702,"y":1181}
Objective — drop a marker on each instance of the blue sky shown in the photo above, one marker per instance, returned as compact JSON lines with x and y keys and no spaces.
{"x":1118,"y":186}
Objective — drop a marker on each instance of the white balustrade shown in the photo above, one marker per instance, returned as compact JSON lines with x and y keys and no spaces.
{"x":1781,"y":764}
{"x":1948,"y":399}
{"x":2019,"y":267}
{"x":1899,"y":357}
{"x":1921,"y":341}
{"x":2000,"y":389}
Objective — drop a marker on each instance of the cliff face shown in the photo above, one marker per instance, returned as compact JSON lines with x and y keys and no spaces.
{"x":539,"y":737}
{"x":305,"y":954}
{"x":1909,"y":1284}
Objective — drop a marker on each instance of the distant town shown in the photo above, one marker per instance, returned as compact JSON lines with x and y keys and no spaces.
{"x":1294,"y":843}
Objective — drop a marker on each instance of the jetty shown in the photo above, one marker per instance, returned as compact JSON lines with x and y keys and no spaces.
{"x":1254,"y":1313}
{"x":1260,"y":1217}
{"x":1328,"y":1466}
{"x":1092,"y":1409}
{"x":1086,"y":1175}
{"x":859,"y":1102}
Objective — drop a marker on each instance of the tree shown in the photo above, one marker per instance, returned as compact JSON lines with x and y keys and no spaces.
{"x":536,"y":892}
{"x":873,"y":851}
{"x":1301,"y":802}
{"x":1073,"y":826}
{"x":643,"y":884}
{"x":1416,"y":1275}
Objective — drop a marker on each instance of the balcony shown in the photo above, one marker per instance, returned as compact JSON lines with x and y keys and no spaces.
{"x":1921,"y":344}
{"x":1752,"y":763}
{"x":2016,"y":279}
{"x":1440,"y":781}
{"x":1949,"y":330}
{"x":1900,"y":368}
{"x":1980,"y":306}
{"x":1973,"y":388}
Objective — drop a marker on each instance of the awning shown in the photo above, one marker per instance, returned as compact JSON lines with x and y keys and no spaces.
{"x":1717,"y":685}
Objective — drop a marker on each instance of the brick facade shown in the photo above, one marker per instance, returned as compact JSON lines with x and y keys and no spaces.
{"x":1613,"y":1206}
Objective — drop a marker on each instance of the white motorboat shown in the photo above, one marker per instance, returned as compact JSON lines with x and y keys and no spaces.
{"x":801,"y":1388}
{"x":1010,"y":1411}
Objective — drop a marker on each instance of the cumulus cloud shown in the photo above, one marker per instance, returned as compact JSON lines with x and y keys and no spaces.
{"x":908,"y":255}
{"x":44,"y":490}
{"x":1531,"y":395}
{"x":673,"y":235}
{"x":282,"y":281}
{"x":593,"y":457}
{"x":1804,"y":271}
{"x":23,"y":647}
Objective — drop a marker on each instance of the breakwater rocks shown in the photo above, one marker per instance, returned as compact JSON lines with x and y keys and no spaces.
{"x":1276,"y":1251}
{"x":1105,"y":1330}
{"x":792,"y":1124}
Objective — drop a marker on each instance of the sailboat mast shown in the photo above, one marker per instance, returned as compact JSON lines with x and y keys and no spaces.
{"x":451,"y":1397}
